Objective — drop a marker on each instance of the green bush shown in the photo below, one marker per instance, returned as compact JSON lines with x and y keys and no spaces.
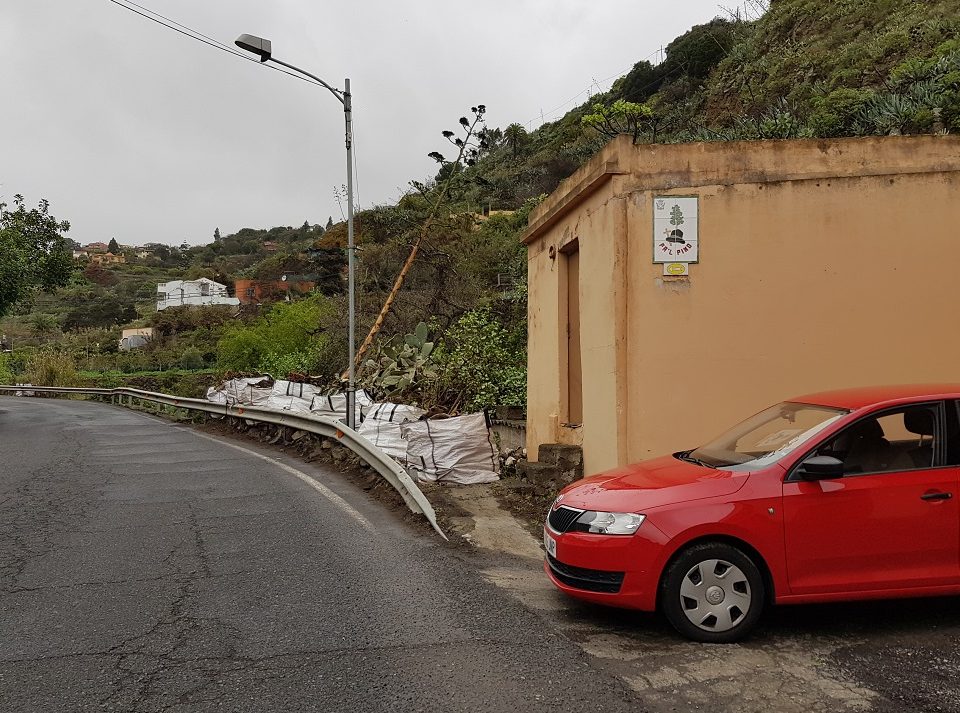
{"x":289,"y":334}
{"x":6,"y":372}
{"x":191,"y":359}
{"x":836,"y":113}
{"x":480,"y":364}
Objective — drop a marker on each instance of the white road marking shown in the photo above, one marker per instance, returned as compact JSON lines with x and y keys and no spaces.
{"x":312,"y":482}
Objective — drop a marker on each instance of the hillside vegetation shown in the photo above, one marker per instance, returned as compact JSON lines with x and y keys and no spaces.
{"x":455,"y":338}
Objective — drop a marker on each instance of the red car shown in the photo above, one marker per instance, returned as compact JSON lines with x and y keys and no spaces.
{"x":835,"y":496}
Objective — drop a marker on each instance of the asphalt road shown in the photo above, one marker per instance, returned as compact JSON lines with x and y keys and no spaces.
{"x":147,"y":567}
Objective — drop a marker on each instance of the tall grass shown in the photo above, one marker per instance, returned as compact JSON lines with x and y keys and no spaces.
{"x":51,"y":369}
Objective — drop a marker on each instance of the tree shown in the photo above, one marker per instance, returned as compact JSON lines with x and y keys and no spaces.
{"x":329,"y":223}
{"x":113,"y":246}
{"x":103,"y":310}
{"x":699,"y":50}
{"x":97,"y":274}
{"x":216,"y":235}
{"x":468,"y":149}
{"x":516,"y":137}
{"x":623,"y":117}
{"x":676,"y":216}
{"x":33,"y":252}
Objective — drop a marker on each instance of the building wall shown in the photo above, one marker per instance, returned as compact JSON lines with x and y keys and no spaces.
{"x":137,"y":331}
{"x":822,"y":265}
{"x":270,"y":289}
{"x":181,"y":293}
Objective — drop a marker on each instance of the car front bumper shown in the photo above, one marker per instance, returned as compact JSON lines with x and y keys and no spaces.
{"x":616,"y":570}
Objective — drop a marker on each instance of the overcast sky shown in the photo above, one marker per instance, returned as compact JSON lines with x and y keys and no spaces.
{"x":136,"y":132}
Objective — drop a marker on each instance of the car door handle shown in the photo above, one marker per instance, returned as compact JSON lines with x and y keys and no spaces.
{"x":936,"y":496}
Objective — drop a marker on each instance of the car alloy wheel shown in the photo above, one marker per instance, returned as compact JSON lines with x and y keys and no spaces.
{"x":712,"y":592}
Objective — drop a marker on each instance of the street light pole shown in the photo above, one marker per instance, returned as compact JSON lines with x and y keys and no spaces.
{"x":263,"y":49}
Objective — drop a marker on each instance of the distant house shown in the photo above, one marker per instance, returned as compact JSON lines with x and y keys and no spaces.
{"x":257,"y":291}
{"x":80,"y":254}
{"x":107,"y":259}
{"x":197,"y":293}
{"x":135,"y":338}
{"x":269,"y":246}
{"x":96,"y":247}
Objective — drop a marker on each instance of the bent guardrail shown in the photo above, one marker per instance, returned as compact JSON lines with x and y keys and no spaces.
{"x":388,"y":468}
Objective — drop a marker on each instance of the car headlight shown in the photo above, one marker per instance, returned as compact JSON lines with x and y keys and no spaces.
{"x":609,"y":523}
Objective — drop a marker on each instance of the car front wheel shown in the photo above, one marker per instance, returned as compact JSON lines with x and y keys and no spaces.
{"x":712,"y":592}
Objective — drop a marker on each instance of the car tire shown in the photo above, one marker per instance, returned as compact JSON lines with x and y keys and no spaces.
{"x":713,"y":592}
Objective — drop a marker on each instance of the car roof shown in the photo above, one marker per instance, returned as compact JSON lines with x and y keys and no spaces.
{"x":864,"y":396}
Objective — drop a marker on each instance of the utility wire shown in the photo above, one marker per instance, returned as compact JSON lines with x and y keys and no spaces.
{"x":186,"y":31}
{"x":199,"y":37}
{"x":552,"y":112}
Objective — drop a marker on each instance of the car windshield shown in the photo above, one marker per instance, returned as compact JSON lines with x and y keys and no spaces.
{"x":766,"y":438}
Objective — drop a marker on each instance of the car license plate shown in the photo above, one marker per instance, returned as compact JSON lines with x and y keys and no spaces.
{"x":549,"y":544}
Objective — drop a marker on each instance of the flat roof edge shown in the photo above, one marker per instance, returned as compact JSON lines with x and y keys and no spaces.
{"x":576,"y":193}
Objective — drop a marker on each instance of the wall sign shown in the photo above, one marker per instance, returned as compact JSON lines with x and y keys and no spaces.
{"x":675,"y":229}
{"x":676,"y":269}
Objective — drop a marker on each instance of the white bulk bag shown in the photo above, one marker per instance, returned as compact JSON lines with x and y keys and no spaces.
{"x":248,"y":391}
{"x":452,"y":450}
{"x":335,"y":405}
{"x":291,"y":396}
{"x":382,"y":426}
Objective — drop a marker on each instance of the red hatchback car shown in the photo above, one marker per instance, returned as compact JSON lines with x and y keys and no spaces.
{"x":834,"y":496}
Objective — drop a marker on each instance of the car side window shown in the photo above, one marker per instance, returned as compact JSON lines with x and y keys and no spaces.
{"x":953,"y":433}
{"x":900,"y":439}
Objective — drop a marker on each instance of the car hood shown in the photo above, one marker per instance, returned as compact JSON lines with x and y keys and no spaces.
{"x":650,"y":484}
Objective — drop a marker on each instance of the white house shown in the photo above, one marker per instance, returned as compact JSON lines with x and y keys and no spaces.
{"x":198,"y":293}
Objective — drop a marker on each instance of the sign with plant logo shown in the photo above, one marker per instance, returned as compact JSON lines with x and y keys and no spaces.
{"x":675,"y":235}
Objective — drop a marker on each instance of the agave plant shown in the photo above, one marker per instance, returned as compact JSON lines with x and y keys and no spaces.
{"x":888,"y":114}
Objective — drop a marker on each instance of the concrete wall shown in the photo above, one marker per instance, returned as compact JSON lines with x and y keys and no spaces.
{"x":822,"y":265}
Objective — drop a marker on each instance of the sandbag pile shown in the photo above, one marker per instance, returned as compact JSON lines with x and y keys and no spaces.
{"x":448,"y":450}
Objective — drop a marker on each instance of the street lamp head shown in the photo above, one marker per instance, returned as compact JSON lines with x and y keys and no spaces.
{"x":257,"y":45}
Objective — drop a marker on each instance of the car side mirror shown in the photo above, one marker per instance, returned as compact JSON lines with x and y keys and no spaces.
{"x":820,"y":468}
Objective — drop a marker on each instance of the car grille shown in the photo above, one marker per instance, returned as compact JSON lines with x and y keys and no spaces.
{"x":562,"y":517}
{"x":591,"y":580}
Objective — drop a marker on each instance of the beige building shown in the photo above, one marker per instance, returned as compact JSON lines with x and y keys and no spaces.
{"x":135,"y":338}
{"x":818,"y":265}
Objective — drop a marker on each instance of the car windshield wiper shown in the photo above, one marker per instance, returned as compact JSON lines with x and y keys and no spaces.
{"x":685,"y":455}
